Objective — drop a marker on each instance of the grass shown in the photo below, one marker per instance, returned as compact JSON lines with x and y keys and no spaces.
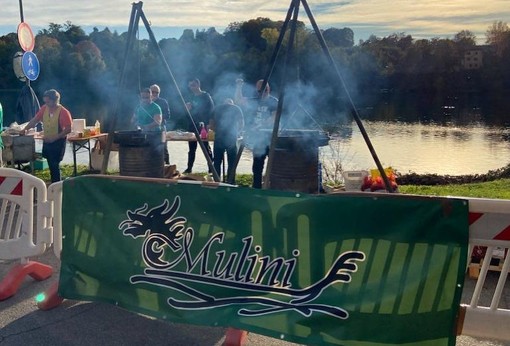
{"x":498,"y":189}
{"x":66,"y":171}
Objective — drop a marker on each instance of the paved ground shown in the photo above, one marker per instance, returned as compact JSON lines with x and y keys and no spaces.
{"x":83,"y":323}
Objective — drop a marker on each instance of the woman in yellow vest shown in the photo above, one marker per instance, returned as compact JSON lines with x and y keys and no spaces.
{"x":56,"y":121}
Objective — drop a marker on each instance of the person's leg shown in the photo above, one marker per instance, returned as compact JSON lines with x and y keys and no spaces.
{"x":218,"y":158}
{"x":53,"y":152}
{"x":208,"y":148}
{"x":209,"y":152}
{"x":54,"y":166}
{"x":231,"y":158}
{"x":259,"y":157}
{"x":257,"y":168}
{"x":167,"y":155}
{"x":192,"y":145}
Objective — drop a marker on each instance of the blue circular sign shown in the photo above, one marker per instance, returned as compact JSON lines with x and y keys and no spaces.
{"x":30,"y":65}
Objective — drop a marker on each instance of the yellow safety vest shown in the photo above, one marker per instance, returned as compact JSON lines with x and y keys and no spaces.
{"x":51,"y":124}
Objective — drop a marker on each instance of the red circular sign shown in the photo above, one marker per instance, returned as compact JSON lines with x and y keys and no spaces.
{"x":26,"y":37}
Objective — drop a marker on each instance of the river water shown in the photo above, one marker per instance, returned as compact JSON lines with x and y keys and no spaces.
{"x":424,"y":147}
{"x":408,"y":147}
{"x":468,"y":134}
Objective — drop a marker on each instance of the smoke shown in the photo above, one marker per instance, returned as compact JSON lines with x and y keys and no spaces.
{"x":224,"y":87}
{"x":300,"y":108}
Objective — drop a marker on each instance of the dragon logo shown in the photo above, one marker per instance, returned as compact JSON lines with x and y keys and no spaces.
{"x":159,"y":226}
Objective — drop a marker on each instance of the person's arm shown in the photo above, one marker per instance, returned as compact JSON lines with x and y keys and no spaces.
{"x":134,"y":118}
{"x":212,"y":122}
{"x":210,"y":109}
{"x":155,"y":124}
{"x":157,"y":119}
{"x":32,"y":122}
{"x":239,"y":99}
{"x":65,"y":123}
{"x":270,"y":120}
{"x":240,"y":121}
{"x":166,"y":111}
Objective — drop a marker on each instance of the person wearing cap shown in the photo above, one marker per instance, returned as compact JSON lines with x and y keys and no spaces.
{"x":57,"y":122}
{"x":165,"y":112}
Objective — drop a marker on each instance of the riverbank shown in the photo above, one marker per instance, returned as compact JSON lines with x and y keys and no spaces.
{"x":436,"y":179}
{"x":352,"y":160}
{"x":493,"y":184}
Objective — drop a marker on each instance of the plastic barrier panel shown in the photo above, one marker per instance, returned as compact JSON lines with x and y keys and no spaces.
{"x":489,"y":243}
{"x":25,"y":231}
{"x":24,"y":215}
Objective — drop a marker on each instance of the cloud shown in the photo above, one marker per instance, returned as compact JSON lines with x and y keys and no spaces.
{"x":426,"y":18}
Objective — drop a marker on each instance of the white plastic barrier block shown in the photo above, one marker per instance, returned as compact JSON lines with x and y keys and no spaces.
{"x":25,"y":215}
{"x":489,"y":237}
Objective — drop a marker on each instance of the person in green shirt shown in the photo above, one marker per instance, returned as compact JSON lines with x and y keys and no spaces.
{"x":147,"y":114}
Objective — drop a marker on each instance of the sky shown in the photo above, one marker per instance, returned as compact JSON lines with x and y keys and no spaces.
{"x":418,"y":18}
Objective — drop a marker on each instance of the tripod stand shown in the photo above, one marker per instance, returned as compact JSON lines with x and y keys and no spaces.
{"x":293,"y":13}
{"x":136,"y":15}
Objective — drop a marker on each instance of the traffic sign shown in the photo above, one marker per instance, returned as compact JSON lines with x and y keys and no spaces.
{"x":26,"y":37}
{"x":30,"y":65}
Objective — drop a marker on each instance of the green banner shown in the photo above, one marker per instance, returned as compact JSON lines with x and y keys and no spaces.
{"x":340,"y":269}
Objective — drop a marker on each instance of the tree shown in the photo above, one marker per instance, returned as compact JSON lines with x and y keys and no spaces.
{"x":187,"y":36}
{"x":339,"y":37}
{"x":49,"y":53}
{"x":498,"y":36}
{"x":496,"y":32}
{"x":8,"y":46}
{"x":112,"y":47}
{"x":466,"y":38}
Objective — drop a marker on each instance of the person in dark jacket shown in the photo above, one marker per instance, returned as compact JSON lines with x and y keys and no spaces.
{"x":200,"y":107}
{"x":260,"y":113}
{"x":227,"y":122}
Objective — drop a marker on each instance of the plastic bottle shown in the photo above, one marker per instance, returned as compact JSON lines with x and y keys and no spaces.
{"x":203,"y":131}
{"x":210,"y":135}
{"x":97,"y":125}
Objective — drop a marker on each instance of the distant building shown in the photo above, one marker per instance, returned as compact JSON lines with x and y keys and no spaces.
{"x":473,"y":58}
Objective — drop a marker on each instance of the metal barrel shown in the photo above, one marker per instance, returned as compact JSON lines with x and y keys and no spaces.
{"x":296,"y":161}
{"x":141,"y":154}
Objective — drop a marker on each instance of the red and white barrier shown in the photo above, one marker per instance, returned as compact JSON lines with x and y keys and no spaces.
{"x":489,"y":238}
{"x":489,"y":219}
{"x":25,"y":227}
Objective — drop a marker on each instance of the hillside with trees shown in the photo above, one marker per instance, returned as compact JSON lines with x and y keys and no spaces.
{"x":86,"y":67}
